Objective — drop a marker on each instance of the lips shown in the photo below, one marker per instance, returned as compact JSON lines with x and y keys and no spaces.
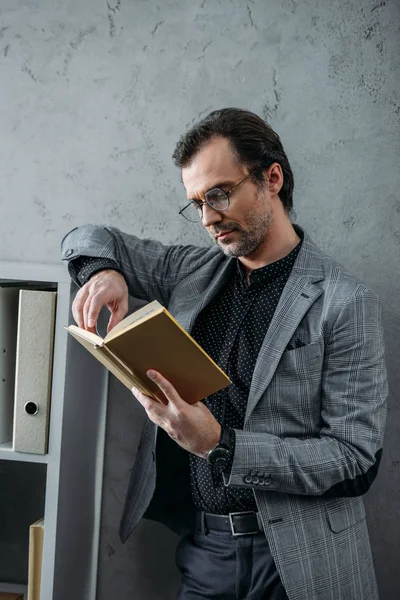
{"x":222,"y":234}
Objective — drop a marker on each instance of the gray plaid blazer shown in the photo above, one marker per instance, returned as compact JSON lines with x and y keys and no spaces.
{"x":312,"y":437}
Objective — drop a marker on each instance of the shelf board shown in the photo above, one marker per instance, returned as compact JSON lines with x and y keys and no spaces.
{"x":7,"y":453}
{"x":22,"y":271}
{"x":16,"y":588}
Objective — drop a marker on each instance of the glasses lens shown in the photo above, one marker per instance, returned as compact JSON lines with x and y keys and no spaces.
{"x":192,"y":212}
{"x":217,"y":199}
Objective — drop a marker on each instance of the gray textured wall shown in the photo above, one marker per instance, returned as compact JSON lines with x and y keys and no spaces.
{"x":93,"y":96}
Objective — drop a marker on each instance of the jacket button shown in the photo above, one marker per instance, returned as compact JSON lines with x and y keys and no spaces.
{"x":261,"y":482}
{"x":247,"y":479}
{"x":256,"y":479}
{"x":267,"y":482}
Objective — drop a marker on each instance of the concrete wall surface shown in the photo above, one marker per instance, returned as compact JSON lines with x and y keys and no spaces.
{"x":93,"y":97}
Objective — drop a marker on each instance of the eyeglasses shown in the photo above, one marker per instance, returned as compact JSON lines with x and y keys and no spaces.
{"x":216,"y":198}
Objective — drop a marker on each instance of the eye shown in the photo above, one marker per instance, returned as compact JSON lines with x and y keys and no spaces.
{"x":217,"y":198}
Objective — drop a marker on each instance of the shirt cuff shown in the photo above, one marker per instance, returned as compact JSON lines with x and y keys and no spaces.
{"x":85,"y":267}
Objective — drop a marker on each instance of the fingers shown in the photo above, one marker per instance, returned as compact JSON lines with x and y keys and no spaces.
{"x":105,"y":288}
{"x":117,"y":315}
{"x":86,"y":308}
{"x":91,"y":311}
{"x":78,"y":306}
{"x":165,"y":386}
{"x":155,"y":411}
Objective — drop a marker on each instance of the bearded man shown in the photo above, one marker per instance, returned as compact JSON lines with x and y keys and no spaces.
{"x":263,"y":480}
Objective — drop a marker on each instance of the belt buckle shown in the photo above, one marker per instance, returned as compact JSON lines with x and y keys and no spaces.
{"x":235,"y":514}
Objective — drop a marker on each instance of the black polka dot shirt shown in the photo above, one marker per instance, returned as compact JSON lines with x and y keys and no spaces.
{"x":231,"y":329}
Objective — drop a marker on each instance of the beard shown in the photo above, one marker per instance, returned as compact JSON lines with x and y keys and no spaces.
{"x":250,"y":237}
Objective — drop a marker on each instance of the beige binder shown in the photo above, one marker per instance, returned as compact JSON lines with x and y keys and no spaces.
{"x":35,"y":337}
{"x":36,"y":534}
{"x":8,"y":341}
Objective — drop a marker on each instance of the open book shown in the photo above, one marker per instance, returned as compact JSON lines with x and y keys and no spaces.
{"x":150,"y":338}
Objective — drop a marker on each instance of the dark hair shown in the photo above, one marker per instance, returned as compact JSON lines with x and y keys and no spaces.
{"x":254,"y":142}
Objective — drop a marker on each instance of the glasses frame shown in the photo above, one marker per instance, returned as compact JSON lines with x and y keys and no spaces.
{"x":205,"y":201}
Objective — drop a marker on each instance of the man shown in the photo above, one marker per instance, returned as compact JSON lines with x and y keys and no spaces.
{"x":263,"y":479}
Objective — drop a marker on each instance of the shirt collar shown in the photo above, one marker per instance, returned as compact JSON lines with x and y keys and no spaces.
{"x":273,"y":271}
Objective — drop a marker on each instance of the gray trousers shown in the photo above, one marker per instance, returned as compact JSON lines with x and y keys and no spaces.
{"x":216,"y":565}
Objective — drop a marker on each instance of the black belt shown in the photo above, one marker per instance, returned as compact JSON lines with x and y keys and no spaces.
{"x":237,"y":523}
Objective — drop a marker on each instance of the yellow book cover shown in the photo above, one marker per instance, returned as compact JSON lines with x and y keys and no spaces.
{"x":150,"y":338}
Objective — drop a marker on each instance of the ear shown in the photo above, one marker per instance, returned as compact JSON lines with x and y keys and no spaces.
{"x":275,"y":178}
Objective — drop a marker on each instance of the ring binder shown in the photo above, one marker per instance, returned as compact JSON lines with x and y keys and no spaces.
{"x":8,"y":337}
{"x":35,"y":335}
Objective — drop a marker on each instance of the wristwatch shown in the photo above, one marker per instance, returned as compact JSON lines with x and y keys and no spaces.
{"x":220,"y":455}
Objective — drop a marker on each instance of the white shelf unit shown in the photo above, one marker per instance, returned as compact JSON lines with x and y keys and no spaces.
{"x":74,"y":461}
{"x":7,"y":453}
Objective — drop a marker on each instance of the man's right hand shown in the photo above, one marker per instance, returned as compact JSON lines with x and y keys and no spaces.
{"x":105,"y":288}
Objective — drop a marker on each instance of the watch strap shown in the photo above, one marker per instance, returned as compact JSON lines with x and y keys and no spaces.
{"x":225,"y":437}
{"x":232,"y":441}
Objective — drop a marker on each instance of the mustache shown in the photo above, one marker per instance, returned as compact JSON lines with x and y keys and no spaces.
{"x":232,"y":227}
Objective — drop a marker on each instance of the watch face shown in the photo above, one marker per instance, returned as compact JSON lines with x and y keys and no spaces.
{"x":218,"y":457}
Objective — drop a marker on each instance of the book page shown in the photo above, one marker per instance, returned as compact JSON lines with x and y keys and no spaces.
{"x":96,"y":340}
{"x":150,"y":309}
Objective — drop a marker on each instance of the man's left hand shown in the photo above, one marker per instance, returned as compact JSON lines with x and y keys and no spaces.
{"x":192,"y":426}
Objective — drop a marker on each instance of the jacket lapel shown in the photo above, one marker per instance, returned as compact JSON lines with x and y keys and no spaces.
{"x":297,"y":297}
{"x":195,"y":304}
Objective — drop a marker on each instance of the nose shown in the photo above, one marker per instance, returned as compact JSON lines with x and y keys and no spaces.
{"x":210,"y":216}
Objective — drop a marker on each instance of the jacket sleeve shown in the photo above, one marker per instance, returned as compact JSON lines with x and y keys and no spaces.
{"x":343,"y":459}
{"x":151,"y":269}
